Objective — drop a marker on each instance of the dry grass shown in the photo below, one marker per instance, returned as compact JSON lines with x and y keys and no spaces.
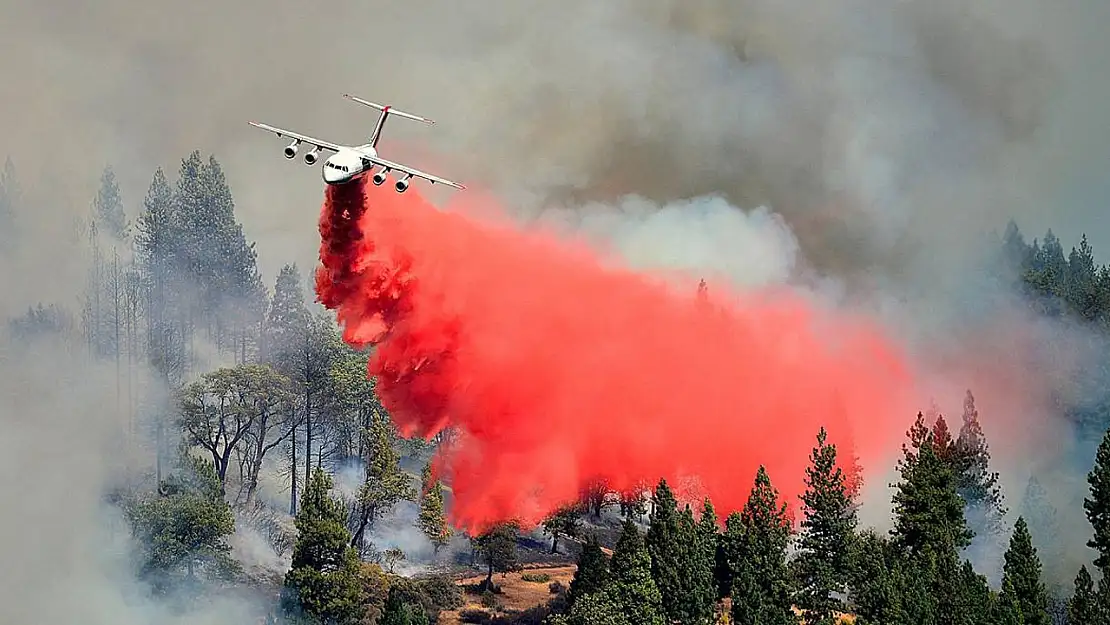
{"x":516,"y":594}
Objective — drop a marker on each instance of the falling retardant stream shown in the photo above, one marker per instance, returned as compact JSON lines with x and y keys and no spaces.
{"x":554,"y":368}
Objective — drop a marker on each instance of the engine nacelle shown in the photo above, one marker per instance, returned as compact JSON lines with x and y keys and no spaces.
{"x":403,"y":184}
{"x":291,"y":149}
{"x":379,"y":177}
{"x":311,"y":157}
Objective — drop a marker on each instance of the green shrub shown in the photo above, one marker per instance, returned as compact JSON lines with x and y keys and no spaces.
{"x":539,"y":578}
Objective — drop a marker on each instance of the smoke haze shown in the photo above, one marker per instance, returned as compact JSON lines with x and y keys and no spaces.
{"x":859,"y":148}
{"x":880,"y":132}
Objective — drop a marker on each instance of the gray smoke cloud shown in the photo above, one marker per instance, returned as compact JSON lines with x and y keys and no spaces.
{"x":66,"y":442}
{"x":703,"y":236}
{"x":864,"y":144}
{"x":881,"y":132}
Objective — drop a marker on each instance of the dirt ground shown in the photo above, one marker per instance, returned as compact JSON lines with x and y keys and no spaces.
{"x":516,"y":594}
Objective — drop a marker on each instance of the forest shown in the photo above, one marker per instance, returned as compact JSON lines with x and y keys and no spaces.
{"x":242,"y":409}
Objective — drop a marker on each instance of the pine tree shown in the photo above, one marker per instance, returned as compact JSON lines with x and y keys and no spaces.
{"x":929,"y":524}
{"x":633,"y":588}
{"x":323,"y":581}
{"x":155,"y":239}
{"x":755,"y":545}
{"x":680,"y":561}
{"x":196,"y":221}
{"x":665,"y":550}
{"x":1082,"y":293}
{"x":964,"y":596}
{"x":1040,"y":514}
{"x":1102,"y":598}
{"x":1022,"y":570}
{"x":729,"y":554}
{"x":928,"y":511}
{"x":825,"y":545}
{"x":875,"y":584}
{"x":158,"y":247}
{"x":709,"y":533}
{"x":975,"y":482}
{"x":287,"y":320}
{"x":943,"y":445}
{"x":708,"y":529}
{"x":699,"y":593}
{"x":1083,"y":607}
{"x":432,"y":519}
{"x":108,"y":207}
{"x":592,"y":573}
{"x":1006,"y":609}
{"x":1015,"y":252}
{"x":399,"y":612}
{"x":235,"y":288}
{"x":1097,"y":505}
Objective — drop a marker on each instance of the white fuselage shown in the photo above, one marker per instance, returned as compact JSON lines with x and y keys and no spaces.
{"x":347,"y":164}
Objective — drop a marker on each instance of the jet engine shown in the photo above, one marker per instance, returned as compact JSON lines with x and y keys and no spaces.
{"x":291,"y":149}
{"x":311,"y":157}
{"x":379,"y":177}
{"x":403,"y":184}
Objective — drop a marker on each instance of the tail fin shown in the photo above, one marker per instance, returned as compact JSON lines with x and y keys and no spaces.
{"x":386,"y":112}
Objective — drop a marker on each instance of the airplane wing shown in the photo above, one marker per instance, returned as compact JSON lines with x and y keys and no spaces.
{"x":281,"y":132}
{"x":377,"y":160}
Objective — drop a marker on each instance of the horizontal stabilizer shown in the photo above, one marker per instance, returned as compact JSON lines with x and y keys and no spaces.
{"x":388,"y":109}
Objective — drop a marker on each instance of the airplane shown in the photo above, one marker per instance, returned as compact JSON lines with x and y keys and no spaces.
{"x":352,"y":161}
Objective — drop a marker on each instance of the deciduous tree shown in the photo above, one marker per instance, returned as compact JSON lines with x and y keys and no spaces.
{"x":229,"y":406}
{"x":497,"y":548}
{"x":565,"y":521}
{"x":184,"y":529}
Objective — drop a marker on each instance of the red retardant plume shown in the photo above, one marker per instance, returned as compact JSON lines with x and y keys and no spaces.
{"x":555,"y":369}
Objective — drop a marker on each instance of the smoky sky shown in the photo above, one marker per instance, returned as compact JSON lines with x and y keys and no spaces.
{"x":881,"y":133}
